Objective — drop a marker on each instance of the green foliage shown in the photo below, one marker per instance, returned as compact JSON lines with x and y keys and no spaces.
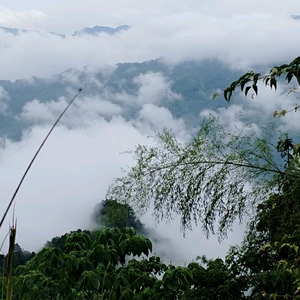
{"x":102,"y":269}
{"x":216,"y":177}
{"x":110,"y":213}
{"x":269,"y":257}
{"x":216,"y":281}
{"x":249,"y":80}
{"x":83,"y":267}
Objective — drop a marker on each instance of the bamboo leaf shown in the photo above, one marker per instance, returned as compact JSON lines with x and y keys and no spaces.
{"x":255,"y":88}
{"x":247,"y":90}
{"x":282,"y":113}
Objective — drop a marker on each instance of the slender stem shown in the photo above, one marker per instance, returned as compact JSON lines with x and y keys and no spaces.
{"x":16,"y":191}
{"x":222,"y":163}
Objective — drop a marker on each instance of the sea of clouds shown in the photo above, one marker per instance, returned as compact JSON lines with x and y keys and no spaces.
{"x":84,"y":153}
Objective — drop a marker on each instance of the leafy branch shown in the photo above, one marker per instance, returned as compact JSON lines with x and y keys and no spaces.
{"x":195,"y":182}
{"x":291,"y":70}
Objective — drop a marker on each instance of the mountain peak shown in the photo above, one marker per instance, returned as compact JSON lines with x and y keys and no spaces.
{"x":98,"y":29}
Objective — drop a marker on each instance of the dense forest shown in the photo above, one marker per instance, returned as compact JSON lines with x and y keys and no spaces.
{"x":215,"y":179}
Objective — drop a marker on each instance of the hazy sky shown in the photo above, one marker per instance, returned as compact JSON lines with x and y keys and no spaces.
{"x":78,"y":162}
{"x":241,"y":33}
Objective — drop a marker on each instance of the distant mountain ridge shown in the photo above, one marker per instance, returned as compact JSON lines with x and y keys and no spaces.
{"x":14,"y":31}
{"x":86,"y":31}
{"x":194,"y":81}
{"x":98,"y":29}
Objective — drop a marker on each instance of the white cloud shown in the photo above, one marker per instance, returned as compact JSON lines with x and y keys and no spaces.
{"x":35,"y":111}
{"x":24,"y":19}
{"x":83,"y":112}
{"x":154,"y":87}
{"x":69,"y":177}
{"x":181,"y":250}
{"x":241,"y":34}
{"x":152,"y":117}
{"x":80,"y":159}
{"x":233,"y":117}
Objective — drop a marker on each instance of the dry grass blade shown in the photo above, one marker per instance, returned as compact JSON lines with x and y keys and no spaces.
{"x":9,"y":286}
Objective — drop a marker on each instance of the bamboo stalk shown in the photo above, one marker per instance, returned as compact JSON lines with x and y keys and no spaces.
{"x":34,"y":157}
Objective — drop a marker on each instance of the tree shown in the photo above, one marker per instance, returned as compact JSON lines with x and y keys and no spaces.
{"x":216,"y":177}
{"x":110,"y":213}
{"x":108,"y":268}
{"x":85,"y":268}
{"x":269,"y":254}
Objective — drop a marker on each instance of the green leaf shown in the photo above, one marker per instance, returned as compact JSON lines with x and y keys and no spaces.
{"x":273,"y":82}
{"x":95,"y":282}
{"x":75,"y":262}
{"x":254,"y":88}
{"x":273,"y":70}
{"x":125,"y":279}
{"x":225,"y":94}
{"x":247,"y":90}
{"x":123,"y":245}
{"x":29,"y":284}
{"x":282,"y":113}
{"x":267,"y":81}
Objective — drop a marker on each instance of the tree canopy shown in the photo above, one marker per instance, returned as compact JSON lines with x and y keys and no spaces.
{"x":111,"y":213}
{"x":117,"y":264}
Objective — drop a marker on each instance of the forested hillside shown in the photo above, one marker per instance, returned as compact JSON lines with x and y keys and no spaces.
{"x":185,"y":89}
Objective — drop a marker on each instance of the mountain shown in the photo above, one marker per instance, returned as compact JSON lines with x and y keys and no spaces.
{"x":14,"y":31}
{"x":17,"y":31}
{"x":296,"y":17}
{"x":87,"y":30}
{"x":185,"y":90}
{"x":98,"y":29}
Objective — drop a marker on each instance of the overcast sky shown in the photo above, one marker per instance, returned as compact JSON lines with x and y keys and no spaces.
{"x":78,"y":163}
{"x":241,"y":33}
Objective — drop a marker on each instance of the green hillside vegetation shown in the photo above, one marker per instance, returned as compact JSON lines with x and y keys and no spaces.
{"x":114,"y":264}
